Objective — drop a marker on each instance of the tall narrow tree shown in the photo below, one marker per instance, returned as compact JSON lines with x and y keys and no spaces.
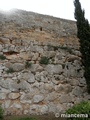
{"x":83,"y":33}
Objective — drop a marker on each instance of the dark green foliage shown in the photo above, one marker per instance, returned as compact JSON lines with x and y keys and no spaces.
{"x":2,"y":57}
{"x":1,"y":113}
{"x":81,"y":108}
{"x":28,"y":64}
{"x":83,"y":33}
{"x":44,"y":60}
{"x":10,"y":70}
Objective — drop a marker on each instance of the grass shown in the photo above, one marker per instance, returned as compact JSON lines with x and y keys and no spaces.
{"x":81,"y":108}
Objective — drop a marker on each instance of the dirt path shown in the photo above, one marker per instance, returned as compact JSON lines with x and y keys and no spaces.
{"x":39,"y":117}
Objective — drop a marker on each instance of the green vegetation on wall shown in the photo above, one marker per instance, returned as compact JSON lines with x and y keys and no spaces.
{"x":2,"y":57}
{"x":10,"y":70}
{"x":44,"y":60}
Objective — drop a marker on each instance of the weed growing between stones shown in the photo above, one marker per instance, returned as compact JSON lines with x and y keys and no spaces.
{"x":44,"y":60}
{"x":2,"y":57}
{"x":28,"y":64}
{"x":10,"y":70}
{"x":51,"y":47}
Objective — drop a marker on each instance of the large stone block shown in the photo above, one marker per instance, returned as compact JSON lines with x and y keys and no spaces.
{"x":17,"y":67}
{"x":54,"y":69}
{"x":77,"y":91}
{"x":27,"y":76}
{"x":65,"y":98}
{"x":9,"y":84}
{"x":36,"y":68}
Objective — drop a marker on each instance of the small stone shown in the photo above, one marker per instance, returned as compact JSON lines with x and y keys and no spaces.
{"x":7,"y":103}
{"x":24,"y":56}
{"x":52,"y":107}
{"x":34,"y":109}
{"x":36,"y":68}
{"x":24,"y":86}
{"x":44,"y":109}
{"x":14,"y":95}
{"x":17,"y":67}
{"x":59,"y":88}
{"x":26,"y":112}
{"x":10,"y":57}
{"x":35,"y":56}
{"x":38,"y":98}
{"x":49,"y":87}
{"x":65,"y":99}
{"x":4,"y":40}
{"x":1,"y":47}
{"x":2,"y":96}
{"x":50,"y":54}
{"x":59,"y":108}
{"x":77,"y":91}
{"x":83,"y":81}
{"x":16,"y":105}
{"x":71,"y":58}
{"x":73,"y":82}
{"x":51,"y":96}
{"x":68,"y":88}
{"x":26,"y":98}
{"x":31,"y":78}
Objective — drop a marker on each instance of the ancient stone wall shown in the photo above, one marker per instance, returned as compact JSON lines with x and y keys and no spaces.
{"x":27,"y":85}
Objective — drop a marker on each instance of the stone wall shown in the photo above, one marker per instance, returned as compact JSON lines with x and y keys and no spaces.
{"x":37,"y":88}
{"x":21,"y":25}
{"x":26,"y":85}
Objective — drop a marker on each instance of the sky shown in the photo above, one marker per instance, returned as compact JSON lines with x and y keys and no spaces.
{"x":57,"y":8}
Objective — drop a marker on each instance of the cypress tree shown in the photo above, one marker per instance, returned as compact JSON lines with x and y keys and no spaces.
{"x":83,"y":33}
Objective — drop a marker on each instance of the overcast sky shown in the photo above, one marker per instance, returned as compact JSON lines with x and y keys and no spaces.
{"x":57,"y":8}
